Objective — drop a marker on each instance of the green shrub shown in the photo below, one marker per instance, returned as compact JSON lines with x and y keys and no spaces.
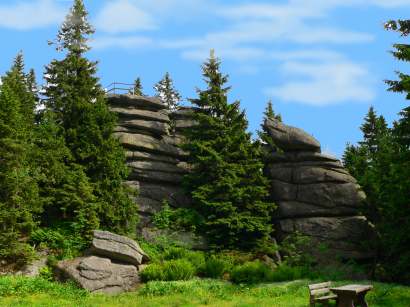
{"x":154,"y":271}
{"x":252,"y":272}
{"x":216,"y":267}
{"x":179,"y":269}
{"x":285,"y":272}
{"x":176,"y":219}
{"x":196,"y":258}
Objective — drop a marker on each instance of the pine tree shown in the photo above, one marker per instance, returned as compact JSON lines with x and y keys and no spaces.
{"x":167,"y":93}
{"x":263,"y":135}
{"x":19,"y":201}
{"x":137,"y":89}
{"x":226,"y":182}
{"x":76,"y":98}
{"x":373,"y":128}
{"x":402,"y":53}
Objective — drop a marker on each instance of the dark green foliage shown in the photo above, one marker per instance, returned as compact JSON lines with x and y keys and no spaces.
{"x":179,"y":269}
{"x":76,"y":98}
{"x":216,"y":266}
{"x":166,"y":91}
{"x":137,"y":88}
{"x":19,"y":199}
{"x":226,"y":182}
{"x":176,"y":219}
{"x":252,"y":273}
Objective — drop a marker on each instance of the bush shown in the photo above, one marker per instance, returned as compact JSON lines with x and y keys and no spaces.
{"x":180,"y":269}
{"x":196,"y":258}
{"x":252,"y":272}
{"x":285,"y":272}
{"x":216,"y":267}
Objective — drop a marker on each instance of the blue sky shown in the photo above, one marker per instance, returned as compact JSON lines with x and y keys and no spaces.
{"x":322,"y":62}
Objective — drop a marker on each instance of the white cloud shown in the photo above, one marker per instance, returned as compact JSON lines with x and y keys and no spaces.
{"x":125,"y":42}
{"x":30,"y":15}
{"x":123,"y":16}
{"x":324,"y":84}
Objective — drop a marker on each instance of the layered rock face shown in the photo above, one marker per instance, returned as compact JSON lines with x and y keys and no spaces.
{"x":315,"y":195}
{"x":151,"y":135}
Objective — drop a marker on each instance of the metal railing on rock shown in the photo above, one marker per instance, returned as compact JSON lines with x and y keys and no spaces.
{"x":117,"y":88}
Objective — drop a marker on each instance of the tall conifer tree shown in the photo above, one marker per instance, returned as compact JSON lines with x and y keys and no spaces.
{"x":19,"y":200}
{"x":226,"y":183}
{"x":75,"y":96}
{"x":137,"y":89}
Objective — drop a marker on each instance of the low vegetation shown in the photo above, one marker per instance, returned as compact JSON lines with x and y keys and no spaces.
{"x":20,"y":291}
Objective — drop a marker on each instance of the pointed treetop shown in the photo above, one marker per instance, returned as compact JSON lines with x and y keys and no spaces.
{"x":137,"y":89}
{"x":167,"y":93}
{"x":74,"y":32}
{"x":269,"y":113}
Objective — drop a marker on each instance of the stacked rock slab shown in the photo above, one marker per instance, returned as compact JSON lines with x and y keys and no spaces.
{"x":150,"y":135}
{"x":112,"y":265}
{"x":315,"y":195}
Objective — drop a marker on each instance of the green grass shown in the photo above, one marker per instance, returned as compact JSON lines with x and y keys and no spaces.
{"x":20,"y":291}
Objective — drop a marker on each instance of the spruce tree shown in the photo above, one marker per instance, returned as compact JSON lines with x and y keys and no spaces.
{"x":76,"y":98}
{"x":264,"y":135}
{"x":373,"y":128}
{"x":167,"y":93}
{"x":137,"y":89}
{"x":226,"y":183}
{"x":19,"y":200}
{"x":402,"y":53}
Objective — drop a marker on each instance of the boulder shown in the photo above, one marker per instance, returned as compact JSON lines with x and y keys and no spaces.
{"x":138,"y":102}
{"x":290,"y":138}
{"x":133,"y":113}
{"x":99,"y":275}
{"x":120,"y":248}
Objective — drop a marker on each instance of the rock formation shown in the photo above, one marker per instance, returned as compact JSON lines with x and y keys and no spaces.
{"x":315,"y":195}
{"x":112,"y":265}
{"x":151,"y":134}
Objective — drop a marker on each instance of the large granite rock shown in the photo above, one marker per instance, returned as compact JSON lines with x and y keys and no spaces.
{"x":138,"y":102}
{"x":290,"y":138}
{"x":315,"y":195}
{"x":120,"y":248}
{"x":152,"y":136}
{"x":99,"y":275}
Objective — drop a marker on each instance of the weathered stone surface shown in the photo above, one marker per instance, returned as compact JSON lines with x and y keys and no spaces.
{"x":159,"y":192}
{"x":307,"y":174}
{"x":180,"y":168}
{"x":113,"y":246}
{"x":344,"y":235}
{"x":148,"y":205}
{"x":183,"y":113}
{"x":331,"y":194}
{"x":184,"y":124}
{"x":123,"y":112}
{"x":296,"y":209}
{"x":155,"y":176}
{"x":149,"y":144}
{"x":157,"y":128}
{"x":283,"y":191}
{"x":139,"y":102}
{"x":33,"y":269}
{"x":99,"y":275}
{"x":175,"y":140}
{"x":290,"y":138}
{"x":146,"y":156}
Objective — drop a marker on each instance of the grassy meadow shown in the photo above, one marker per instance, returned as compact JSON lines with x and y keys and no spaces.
{"x":21,"y":291}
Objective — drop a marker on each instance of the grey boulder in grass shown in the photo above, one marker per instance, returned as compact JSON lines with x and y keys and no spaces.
{"x":116,"y":247}
{"x":99,"y":275}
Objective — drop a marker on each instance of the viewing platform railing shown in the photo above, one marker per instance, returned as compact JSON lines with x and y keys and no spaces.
{"x":120,"y":88}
